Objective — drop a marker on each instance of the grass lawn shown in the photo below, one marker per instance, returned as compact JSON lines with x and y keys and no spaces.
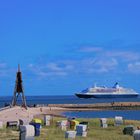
{"x":95,"y":132}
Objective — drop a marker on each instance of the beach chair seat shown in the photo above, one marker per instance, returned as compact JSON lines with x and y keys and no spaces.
{"x":48,"y":120}
{"x":11,"y":124}
{"x":37,"y":127}
{"x":70,"y":134}
{"x":119,"y":121}
{"x":27,"y":132}
{"x":136,"y":135}
{"x":128,"y":130}
{"x":85,"y":123}
{"x":73,"y":124}
{"x":103,"y":122}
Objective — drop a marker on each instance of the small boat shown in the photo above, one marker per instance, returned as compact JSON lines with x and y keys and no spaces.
{"x":104,"y":92}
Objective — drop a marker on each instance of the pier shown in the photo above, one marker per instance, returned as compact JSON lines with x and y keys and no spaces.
{"x":97,"y":106}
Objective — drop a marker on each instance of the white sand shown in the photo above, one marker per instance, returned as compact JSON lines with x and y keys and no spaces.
{"x":16,"y":113}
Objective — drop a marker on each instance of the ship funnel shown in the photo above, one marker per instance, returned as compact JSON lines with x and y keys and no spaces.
{"x":116,"y":85}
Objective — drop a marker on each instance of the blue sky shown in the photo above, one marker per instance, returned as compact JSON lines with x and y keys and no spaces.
{"x":66,"y":46}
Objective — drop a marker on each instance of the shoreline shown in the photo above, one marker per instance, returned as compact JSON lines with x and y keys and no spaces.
{"x":17,"y":112}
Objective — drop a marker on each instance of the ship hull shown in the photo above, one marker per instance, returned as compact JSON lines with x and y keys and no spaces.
{"x":106,"y":96}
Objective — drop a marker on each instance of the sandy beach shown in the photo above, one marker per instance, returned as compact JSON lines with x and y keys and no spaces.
{"x":17,"y":112}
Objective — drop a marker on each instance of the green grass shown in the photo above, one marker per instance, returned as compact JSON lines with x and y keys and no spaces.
{"x":95,"y":132}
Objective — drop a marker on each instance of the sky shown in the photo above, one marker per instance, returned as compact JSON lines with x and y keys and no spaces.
{"x":64,"y":46}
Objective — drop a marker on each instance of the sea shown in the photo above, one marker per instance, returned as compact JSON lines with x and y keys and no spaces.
{"x":71,"y":99}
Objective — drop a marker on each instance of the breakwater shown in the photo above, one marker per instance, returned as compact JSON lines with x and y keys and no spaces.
{"x":100,"y":106}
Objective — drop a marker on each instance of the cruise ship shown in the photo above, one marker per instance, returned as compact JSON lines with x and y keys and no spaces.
{"x":104,"y":92}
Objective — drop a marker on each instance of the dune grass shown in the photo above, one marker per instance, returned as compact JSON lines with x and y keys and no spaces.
{"x":9,"y":134}
{"x":95,"y":132}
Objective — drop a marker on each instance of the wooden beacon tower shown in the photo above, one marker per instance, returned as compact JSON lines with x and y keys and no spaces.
{"x":19,"y":90}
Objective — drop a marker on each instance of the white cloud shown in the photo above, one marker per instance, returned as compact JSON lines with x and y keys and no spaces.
{"x":4,"y":70}
{"x":99,"y":65}
{"x":107,"y":62}
{"x":124,"y":55}
{"x":59,"y":66}
{"x":134,"y":67}
{"x":67,"y":67}
{"x":97,"y":70}
{"x":103,"y":61}
{"x":54,"y":67}
{"x":50,"y":69}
